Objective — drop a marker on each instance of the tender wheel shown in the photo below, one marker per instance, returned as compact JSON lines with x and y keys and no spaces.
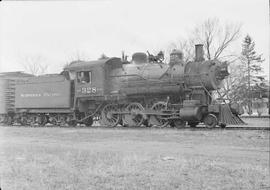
{"x":135,"y":116}
{"x":88,"y":122}
{"x":24,"y":121}
{"x":53,"y":120}
{"x":39,"y":120}
{"x":43,"y":120}
{"x":109,"y":117}
{"x":2,"y":118}
{"x":158,"y":120}
{"x":210,"y":121}
{"x":32,"y":120}
{"x":9,"y":120}
{"x":178,"y":123}
{"x":62,"y":120}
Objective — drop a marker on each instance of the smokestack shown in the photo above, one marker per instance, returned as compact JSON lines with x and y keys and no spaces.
{"x":199,"y":53}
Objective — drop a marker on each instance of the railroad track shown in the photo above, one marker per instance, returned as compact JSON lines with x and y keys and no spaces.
{"x":236,"y":128}
{"x":199,"y":127}
{"x":255,"y":116}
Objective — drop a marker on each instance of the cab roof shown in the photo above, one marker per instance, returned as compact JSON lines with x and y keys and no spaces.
{"x":81,"y":65}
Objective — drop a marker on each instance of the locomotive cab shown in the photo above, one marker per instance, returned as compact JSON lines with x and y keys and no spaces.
{"x":86,"y":83}
{"x":92,"y":83}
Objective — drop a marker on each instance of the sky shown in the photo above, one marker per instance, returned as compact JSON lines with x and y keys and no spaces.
{"x":58,"y":32}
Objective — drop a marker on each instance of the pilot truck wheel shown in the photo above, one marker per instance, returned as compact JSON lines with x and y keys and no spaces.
{"x":88,"y":122}
{"x":210,"y":121}
{"x":157,"y":119}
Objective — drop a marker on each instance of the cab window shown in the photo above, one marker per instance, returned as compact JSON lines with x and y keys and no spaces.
{"x":72,"y":75}
{"x":84,"y":77}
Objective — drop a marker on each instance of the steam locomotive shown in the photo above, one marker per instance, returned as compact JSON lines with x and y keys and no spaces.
{"x":142,"y":92}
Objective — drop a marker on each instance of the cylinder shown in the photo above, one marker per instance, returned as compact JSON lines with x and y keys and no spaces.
{"x":199,"y":53}
{"x":191,"y":113}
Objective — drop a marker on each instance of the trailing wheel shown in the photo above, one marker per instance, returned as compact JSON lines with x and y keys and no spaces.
{"x":178,"y":123}
{"x":109,"y":117}
{"x":88,"y":122}
{"x":72,"y":123}
{"x":157,"y":119}
{"x":210,"y":121}
{"x":135,"y":116}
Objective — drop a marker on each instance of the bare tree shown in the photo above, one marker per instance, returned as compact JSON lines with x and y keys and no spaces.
{"x":34,"y":65}
{"x":103,"y":56}
{"x":76,"y":56}
{"x":216,"y":38}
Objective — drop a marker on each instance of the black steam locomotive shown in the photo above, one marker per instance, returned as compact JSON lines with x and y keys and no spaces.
{"x":145,"y":91}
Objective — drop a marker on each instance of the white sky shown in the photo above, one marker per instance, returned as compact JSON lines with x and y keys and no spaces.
{"x":59,"y":30}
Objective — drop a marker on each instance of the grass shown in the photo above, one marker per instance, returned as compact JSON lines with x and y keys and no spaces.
{"x":55,"y":158}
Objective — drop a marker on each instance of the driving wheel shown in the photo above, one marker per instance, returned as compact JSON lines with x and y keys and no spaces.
{"x":134,"y":116}
{"x":157,"y":119}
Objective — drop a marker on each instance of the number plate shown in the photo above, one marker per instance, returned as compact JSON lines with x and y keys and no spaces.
{"x":89,"y":90}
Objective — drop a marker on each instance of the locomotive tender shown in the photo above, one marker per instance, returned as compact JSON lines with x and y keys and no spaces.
{"x":144,"y":91}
